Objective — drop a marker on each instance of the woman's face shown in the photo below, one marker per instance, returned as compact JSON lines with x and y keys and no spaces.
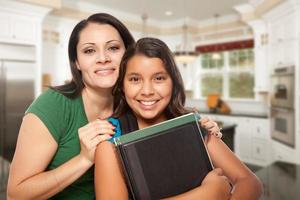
{"x":148,"y":88}
{"x":99,"y":52}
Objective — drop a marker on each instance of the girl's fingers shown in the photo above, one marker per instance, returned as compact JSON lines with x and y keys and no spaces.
{"x":218,"y":171}
{"x":211,"y":126}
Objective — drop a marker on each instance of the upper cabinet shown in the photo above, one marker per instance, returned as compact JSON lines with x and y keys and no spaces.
{"x":283,"y":40}
{"x":21,"y":22}
{"x":18,"y":29}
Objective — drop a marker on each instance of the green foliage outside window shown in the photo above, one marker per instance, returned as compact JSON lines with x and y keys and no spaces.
{"x":241,"y":85}
{"x":212,"y":84}
{"x":209,"y":63}
{"x":236,"y":67}
{"x":241,"y":58}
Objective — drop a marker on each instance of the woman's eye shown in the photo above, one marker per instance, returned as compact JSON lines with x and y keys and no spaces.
{"x":89,"y":51}
{"x":113,"y":48}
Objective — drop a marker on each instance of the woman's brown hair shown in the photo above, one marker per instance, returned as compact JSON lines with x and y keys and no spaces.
{"x":75,"y":86}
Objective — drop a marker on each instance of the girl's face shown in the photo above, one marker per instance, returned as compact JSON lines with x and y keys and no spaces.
{"x":99,"y":52}
{"x":148,"y":89}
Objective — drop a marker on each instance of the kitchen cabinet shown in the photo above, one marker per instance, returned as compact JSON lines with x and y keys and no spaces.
{"x":17,"y":29}
{"x":284,"y":153}
{"x":21,"y":27}
{"x":283,"y":39}
{"x":284,"y":50}
{"x":252,"y":138}
{"x":283,"y":53}
{"x":260,"y":50}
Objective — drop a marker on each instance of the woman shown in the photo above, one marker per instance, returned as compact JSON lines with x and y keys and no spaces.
{"x":150,"y":86}
{"x":61,"y":129}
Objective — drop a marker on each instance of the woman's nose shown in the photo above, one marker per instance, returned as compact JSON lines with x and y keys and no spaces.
{"x":103,"y":57}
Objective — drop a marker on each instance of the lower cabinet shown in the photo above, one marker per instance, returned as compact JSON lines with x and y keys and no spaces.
{"x":252,"y":142}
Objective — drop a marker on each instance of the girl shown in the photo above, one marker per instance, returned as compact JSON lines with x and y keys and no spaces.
{"x":150,"y":86}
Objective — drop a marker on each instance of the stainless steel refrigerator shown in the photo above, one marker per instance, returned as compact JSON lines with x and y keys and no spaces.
{"x":16,"y":94}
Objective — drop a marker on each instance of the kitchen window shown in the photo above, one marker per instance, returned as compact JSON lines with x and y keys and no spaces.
{"x":229,"y":73}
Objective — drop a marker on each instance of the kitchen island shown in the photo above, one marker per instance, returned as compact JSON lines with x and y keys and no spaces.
{"x":281,"y":181}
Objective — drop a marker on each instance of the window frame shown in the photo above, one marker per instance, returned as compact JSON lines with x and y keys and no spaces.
{"x":226,"y":71}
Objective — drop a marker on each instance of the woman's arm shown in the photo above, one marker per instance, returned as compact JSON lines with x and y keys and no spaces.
{"x":35,"y":149}
{"x":246,"y":185}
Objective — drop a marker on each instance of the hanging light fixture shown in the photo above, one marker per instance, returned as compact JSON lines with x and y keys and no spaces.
{"x":144,"y":25}
{"x":185,"y":55}
{"x":216,"y":55}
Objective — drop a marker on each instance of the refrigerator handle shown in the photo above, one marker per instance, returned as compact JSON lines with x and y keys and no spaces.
{"x":2,"y":124}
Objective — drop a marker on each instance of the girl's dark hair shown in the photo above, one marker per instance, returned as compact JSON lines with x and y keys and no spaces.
{"x":75,"y":86}
{"x":152,"y":48}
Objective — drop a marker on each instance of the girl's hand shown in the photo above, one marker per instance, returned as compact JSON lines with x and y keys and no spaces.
{"x":211,"y":126}
{"x":91,"y":135}
{"x":218,"y":184}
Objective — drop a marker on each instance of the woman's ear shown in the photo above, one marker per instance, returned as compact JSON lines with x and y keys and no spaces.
{"x":77,"y":66}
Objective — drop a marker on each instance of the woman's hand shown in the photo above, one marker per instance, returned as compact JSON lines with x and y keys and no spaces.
{"x":217,"y":184}
{"x":211,"y":126}
{"x":91,"y":135}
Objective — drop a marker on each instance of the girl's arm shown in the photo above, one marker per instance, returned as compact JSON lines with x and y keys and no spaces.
{"x":246,"y":185}
{"x":214,"y":186}
{"x":109,"y":180}
{"x":34,"y":151}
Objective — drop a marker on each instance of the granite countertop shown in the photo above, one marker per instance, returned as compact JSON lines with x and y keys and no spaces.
{"x":225,"y":125}
{"x":238,"y":114}
{"x":281,"y":181}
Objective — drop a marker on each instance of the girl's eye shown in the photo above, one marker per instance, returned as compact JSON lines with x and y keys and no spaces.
{"x":89,"y":51}
{"x":134,"y":79}
{"x":160,"y":78}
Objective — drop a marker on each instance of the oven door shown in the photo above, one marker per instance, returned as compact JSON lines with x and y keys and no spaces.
{"x":283,"y":91}
{"x":282,"y":125}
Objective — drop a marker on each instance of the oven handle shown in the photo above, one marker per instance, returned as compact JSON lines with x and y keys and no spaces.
{"x":275,"y":110}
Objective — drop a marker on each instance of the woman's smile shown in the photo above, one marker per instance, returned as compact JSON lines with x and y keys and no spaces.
{"x":105,"y":71}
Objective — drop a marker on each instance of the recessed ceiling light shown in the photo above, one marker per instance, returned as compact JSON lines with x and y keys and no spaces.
{"x":168,"y":13}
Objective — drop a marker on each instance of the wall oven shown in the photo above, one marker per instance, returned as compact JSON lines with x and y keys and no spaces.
{"x":282,"y":94}
{"x":282,"y":123}
{"x":282,"y":105}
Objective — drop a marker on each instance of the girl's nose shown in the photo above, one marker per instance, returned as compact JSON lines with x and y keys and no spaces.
{"x":147,"y":88}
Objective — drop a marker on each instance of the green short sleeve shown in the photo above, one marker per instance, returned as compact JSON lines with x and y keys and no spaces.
{"x":51,"y":108}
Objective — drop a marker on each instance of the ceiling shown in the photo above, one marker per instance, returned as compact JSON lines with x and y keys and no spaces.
{"x":155,"y":9}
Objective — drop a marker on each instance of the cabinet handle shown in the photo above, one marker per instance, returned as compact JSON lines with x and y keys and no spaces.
{"x":257,"y":150}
